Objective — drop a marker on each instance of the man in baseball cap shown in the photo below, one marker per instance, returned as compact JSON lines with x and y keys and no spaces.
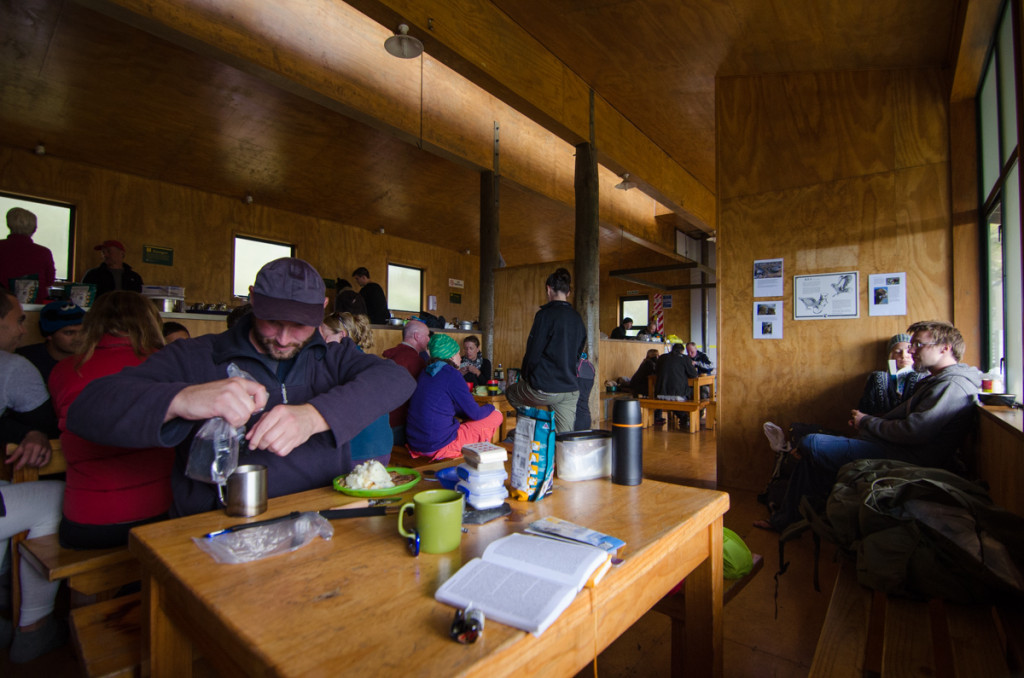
{"x":60,"y":323}
{"x":304,"y":401}
{"x":112,"y":273}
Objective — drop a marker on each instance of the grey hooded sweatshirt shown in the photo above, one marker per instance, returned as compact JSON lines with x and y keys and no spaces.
{"x":928,"y":428}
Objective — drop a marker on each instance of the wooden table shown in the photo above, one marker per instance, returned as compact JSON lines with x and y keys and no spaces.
{"x":361,"y":605}
{"x":508,"y":413}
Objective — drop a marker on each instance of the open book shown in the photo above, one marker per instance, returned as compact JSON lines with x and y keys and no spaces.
{"x":525,"y":581}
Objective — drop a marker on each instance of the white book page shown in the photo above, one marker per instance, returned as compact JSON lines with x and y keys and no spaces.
{"x":507,"y":595}
{"x":566,"y":563}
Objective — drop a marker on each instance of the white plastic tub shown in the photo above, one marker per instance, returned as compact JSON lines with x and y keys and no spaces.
{"x":583,"y":455}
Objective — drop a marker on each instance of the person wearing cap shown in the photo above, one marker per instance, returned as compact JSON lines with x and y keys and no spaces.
{"x":620,"y":331}
{"x":433,"y":428}
{"x":112,"y":273}
{"x":60,"y":323}
{"x":305,"y":402}
{"x":20,"y":257}
{"x":885,"y":389}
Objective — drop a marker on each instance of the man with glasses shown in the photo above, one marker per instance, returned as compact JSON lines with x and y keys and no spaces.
{"x":926,"y":429}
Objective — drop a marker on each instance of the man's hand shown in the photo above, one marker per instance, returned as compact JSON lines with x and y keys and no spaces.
{"x":234,"y":400}
{"x":284,"y":428}
{"x":855,"y":418}
{"x":473,"y":370}
{"x":34,"y":450}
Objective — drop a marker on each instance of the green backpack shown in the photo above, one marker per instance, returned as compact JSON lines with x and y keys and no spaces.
{"x":923,"y":533}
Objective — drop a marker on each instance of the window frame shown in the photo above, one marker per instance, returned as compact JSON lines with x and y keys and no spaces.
{"x":390,"y":283}
{"x":234,"y":260}
{"x":69,"y":256}
{"x":637,"y":327}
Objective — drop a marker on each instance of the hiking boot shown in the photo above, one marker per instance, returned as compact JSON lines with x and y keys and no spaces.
{"x":776,"y":437}
{"x":28,"y":645}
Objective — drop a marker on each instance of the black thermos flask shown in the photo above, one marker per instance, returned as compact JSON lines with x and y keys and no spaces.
{"x":627,"y":442}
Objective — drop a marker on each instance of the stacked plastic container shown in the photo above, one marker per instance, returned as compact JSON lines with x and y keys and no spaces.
{"x":482,"y":475}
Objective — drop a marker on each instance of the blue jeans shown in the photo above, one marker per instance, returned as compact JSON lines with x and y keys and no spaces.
{"x":821,"y":457}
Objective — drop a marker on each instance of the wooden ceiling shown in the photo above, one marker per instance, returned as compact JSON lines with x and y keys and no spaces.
{"x":99,"y":91}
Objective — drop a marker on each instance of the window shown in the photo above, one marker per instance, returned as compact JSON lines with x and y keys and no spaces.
{"x":54,"y":228}
{"x":405,"y":288}
{"x":637,"y":309}
{"x":250,"y":255}
{"x":998,"y":113}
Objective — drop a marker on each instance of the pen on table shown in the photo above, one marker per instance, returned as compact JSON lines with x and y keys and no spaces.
{"x":258,"y":523}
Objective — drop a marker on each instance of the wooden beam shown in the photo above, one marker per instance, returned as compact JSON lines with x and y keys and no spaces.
{"x":654,"y":269}
{"x":671,"y":253}
{"x":529,"y":78}
{"x":331,"y":54}
{"x":979,"y":20}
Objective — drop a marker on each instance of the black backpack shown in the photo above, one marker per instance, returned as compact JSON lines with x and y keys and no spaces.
{"x":922,"y":533}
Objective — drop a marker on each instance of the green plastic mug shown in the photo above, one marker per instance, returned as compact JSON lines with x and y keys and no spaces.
{"x":438,"y":520}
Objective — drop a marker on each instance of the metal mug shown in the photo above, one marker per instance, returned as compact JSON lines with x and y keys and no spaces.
{"x":247,"y":491}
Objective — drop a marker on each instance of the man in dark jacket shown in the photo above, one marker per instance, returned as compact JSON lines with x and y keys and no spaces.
{"x":113,"y":273}
{"x":373,"y":295}
{"x":308,"y":400}
{"x":557,"y":339}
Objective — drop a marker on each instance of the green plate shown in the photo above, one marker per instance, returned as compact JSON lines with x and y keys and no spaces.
{"x":339,"y":484}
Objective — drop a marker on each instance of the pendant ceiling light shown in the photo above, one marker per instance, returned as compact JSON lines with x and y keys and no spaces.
{"x":626,"y":183}
{"x":403,"y":45}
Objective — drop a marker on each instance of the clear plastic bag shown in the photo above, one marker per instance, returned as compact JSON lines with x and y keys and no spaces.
{"x":213,"y":455}
{"x":256,"y":543}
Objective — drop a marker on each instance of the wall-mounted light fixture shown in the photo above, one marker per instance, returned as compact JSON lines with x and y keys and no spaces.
{"x":403,"y":45}
{"x":626,"y":183}
{"x":248,"y":199}
{"x":40,"y":149}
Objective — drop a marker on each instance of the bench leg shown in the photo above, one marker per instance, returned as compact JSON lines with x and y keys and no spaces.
{"x":16,"y":577}
{"x":695,"y":422}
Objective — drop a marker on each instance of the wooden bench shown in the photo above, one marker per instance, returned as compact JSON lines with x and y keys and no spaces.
{"x":867,"y":633}
{"x":92,"y":572}
{"x":108,"y":636}
{"x":674,"y":606}
{"x":694,"y":407}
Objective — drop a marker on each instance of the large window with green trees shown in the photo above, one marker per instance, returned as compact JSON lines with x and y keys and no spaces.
{"x":999,"y":112}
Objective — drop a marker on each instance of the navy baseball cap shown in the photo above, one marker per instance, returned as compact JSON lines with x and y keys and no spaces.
{"x":290,"y":290}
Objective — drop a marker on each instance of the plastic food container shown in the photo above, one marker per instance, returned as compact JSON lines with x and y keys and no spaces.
{"x":583,"y":455}
{"x":481,"y":481}
{"x":491,"y":498}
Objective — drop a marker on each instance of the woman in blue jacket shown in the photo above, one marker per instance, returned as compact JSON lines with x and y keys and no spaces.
{"x":443,"y":416}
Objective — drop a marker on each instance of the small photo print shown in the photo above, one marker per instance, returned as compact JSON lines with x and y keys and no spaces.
{"x":766,"y":329}
{"x":881,"y":295}
{"x":765,"y":309}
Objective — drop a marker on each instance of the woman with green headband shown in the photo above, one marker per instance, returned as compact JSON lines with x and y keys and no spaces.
{"x":435,"y":427}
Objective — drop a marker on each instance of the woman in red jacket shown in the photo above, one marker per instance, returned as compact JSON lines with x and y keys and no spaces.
{"x":109,"y":490}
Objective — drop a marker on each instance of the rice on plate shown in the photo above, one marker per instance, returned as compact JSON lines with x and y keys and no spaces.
{"x":370,"y":475}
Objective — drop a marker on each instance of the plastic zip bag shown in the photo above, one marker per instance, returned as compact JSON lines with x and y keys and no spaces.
{"x":213,"y":455}
{"x":245,"y":546}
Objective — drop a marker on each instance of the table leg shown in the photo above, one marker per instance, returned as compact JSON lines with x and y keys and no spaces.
{"x":704,"y":590}
{"x":712,"y":413}
{"x":166,"y":651}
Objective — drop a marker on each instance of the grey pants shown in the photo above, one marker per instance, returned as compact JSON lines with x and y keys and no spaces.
{"x":521,"y":394}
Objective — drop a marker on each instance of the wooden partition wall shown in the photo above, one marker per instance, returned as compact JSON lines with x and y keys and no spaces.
{"x":200,"y":228}
{"x":839,"y":171}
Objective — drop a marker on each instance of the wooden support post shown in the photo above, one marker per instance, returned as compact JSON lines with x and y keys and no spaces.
{"x":490,"y":258}
{"x":588,"y":264}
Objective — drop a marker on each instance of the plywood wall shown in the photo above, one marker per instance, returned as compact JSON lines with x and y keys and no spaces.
{"x":200,"y":228}
{"x":831,"y":172}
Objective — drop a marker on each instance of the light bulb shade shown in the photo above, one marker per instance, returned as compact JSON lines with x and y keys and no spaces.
{"x":626,"y":183}
{"x":402,"y":45}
